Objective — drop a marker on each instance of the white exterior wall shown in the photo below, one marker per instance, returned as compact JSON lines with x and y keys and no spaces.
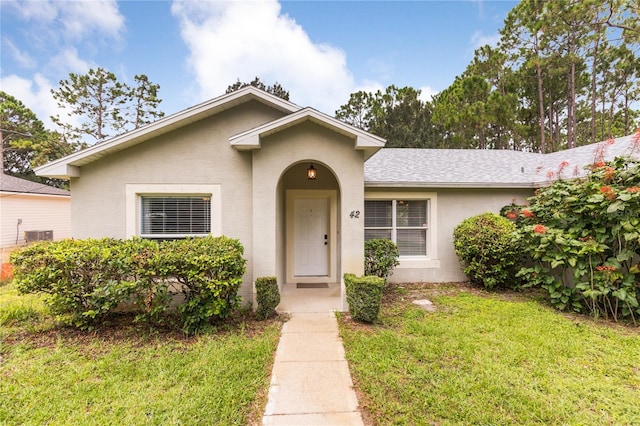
{"x":197,"y":155}
{"x":307,"y":143}
{"x":37,"y":212}
{"x":453,"y":206}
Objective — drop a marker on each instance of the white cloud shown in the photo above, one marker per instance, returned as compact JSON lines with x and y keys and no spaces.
{"x":59,"y":34}
{"x":242,"y":40}
{"x":35,"y":94}
{"x":427,"y":93}
{"x":67,"y":60}
{"x":370,"y":86}
{"x":23,"y":59}
{"x":71,"y":19}
{"x":82,"y":17}
{"x":41,"y":11}
{"x":478,"y":40}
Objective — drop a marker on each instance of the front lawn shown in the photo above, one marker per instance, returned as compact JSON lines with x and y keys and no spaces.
{"x":495,"y":359}
{"x":130,"y":375}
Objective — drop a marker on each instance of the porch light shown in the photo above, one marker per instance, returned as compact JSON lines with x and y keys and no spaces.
{"x":311,"y":172}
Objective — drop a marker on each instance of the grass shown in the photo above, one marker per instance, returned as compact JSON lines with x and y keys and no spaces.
{"x":127,"y":375}
{"x":15,"y":307}
{"x":486,"y":359}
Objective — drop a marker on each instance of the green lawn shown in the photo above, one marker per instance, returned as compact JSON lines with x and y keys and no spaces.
{"x":491,"y":359}
{"x":129,"y":375}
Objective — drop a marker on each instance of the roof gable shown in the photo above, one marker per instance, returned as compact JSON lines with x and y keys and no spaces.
{"x":363,"y":140}
{"x":69,"y":166}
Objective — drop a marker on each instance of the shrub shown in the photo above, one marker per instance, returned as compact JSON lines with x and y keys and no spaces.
{"x":380,"y":257}
{"x":84,"y":279}
{"x":209,"y":271}
{"x":583,"y":239}
{"x":268,"y":296}
{"x":489,"y":249}
{"x":147,"y":267}
{"x":364,"y":295}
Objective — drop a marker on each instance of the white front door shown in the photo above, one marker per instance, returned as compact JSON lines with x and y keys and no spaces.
{"x":311,"y":237}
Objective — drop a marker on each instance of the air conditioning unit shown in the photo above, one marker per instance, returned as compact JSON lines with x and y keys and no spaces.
{"x":32,"y":236}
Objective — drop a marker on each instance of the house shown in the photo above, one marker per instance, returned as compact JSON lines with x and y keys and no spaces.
{"x":31,"y":211}
{"x":300,"y":189}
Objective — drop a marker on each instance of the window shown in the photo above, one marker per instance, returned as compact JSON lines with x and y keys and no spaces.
{"x":175,"y":215}
{"x":403,"y":222}
{"x":170,"y":211}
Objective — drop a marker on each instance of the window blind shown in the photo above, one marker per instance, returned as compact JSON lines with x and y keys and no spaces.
{"x":377,"y":214}
{"x":176,"y":215}
{"x":403,"y":222}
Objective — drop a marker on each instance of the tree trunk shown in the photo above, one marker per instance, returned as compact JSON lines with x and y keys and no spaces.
{"x":571,"y":106}
{"x":593,"y":89}
{"x":543,"y":142}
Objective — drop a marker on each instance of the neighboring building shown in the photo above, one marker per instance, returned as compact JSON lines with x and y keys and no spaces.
{"x":238,"y":165}
{"x":30,"y":211}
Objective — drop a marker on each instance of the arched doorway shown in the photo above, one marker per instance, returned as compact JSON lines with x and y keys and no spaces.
{"x":310,"y":243}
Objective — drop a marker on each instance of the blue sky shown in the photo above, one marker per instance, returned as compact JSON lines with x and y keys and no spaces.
{"x":321,"y":51}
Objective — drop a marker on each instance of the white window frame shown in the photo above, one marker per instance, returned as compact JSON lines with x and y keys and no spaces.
{"x":135,"y":192}
{"x":430,"y":259}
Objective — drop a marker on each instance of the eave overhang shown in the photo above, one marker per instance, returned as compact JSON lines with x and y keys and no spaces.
{"x":458,"y":185}
{"x":363,"y":140}
{"x":69,"y":166}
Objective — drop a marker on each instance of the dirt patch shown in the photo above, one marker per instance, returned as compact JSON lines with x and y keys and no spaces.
{"x":120,"y":329}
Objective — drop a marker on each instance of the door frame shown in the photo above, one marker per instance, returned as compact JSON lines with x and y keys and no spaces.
{"x":332,"y":197}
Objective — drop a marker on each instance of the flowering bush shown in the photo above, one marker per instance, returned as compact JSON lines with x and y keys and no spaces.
{"x":583,"y":238}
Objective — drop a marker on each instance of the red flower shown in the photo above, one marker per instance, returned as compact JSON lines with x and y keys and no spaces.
{"x":528,"y":213}
{"x":511,"y":215}
{"x":609,"y":172}
{"x":633,"y":189}
{"x":599,"y":164}
{"x":606,"y":268}
{"x":611,"y":141}
{"x":539,"y":229}
{"x":608,"y":192}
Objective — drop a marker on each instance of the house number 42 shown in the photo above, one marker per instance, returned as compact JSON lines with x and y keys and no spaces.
{"x":355,"y":214}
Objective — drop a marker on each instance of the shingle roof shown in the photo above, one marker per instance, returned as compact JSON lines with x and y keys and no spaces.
{"x":573,"y":162}
{"x":449,"y":167}
{"x":14,"y":184}
{"x":486,"y":168}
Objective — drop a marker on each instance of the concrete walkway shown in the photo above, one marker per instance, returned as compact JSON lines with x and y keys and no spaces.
{"x":310,"y":382}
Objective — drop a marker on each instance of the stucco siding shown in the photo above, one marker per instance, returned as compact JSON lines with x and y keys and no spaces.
{"x":331,"y":153}
{"x":453,"y":206}
{"x":198,"y":154}
{"x":37,"y":213}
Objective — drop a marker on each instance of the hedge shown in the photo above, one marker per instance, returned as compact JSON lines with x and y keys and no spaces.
{"x":364,"y":296}
{"x":88,"y":280}
{"x":268,"y":297}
